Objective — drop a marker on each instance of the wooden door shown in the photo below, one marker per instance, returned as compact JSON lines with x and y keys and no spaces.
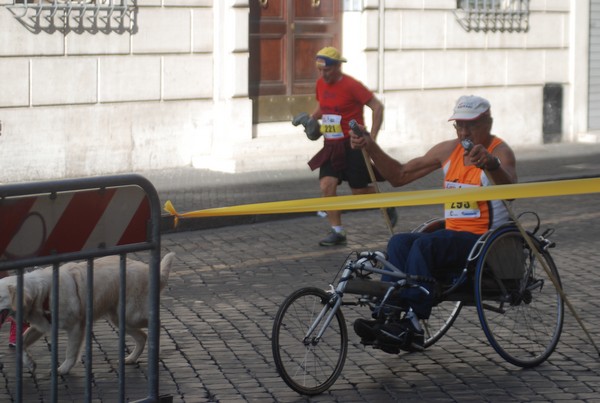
{"x":285,"y":35}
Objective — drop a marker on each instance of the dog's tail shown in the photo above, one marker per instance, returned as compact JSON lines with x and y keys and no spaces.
{"x":165,"y":268}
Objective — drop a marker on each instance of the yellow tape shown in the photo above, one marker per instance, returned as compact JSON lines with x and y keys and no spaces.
{"x":402,"y":199}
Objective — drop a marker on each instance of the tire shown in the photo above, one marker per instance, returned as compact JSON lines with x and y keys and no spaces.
{"x":520,"y":310}
{"x":308,"y":368}
{"x":441,"y":319}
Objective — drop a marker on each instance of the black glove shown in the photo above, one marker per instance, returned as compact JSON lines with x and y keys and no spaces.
{"x":312,"y":128}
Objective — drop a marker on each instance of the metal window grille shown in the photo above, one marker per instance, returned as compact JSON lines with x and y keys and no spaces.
{"x":493,"y":15}
{"x":76,"y":15}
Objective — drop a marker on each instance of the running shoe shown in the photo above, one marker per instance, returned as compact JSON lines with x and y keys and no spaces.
{"x":334,"y":238}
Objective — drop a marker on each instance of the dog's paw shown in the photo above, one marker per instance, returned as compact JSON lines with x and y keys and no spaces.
{"x":130,"y":360}
{"x":66,"y":366}
{"x":63,"y":369}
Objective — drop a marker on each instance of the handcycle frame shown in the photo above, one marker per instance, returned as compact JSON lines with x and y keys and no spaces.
{"x":519,"y":308}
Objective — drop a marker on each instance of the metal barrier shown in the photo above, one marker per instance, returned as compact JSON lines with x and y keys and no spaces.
{"x":49,"y":223}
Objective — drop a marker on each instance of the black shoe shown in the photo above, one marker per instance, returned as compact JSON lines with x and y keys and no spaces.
{"x":386,"y":348}
{"x":367,"y":330}
{"x":402,"y":334}
{"x":381,"y":344}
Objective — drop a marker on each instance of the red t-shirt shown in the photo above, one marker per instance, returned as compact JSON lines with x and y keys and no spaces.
{"x":345,"y":98}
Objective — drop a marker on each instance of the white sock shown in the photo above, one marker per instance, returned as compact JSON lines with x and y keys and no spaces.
{"x":337,"y":228}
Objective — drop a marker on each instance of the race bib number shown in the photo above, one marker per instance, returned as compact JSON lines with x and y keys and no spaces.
{"x":461,"y":209}
{"x":331,"y":126}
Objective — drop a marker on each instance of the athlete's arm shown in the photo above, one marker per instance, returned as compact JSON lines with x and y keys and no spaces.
{"x":377,"y":113}
{"x":394,"y":171}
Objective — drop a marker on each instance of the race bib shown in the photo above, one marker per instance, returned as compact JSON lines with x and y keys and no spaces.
{"x":331,"y":126}
{"x":461,"y":209}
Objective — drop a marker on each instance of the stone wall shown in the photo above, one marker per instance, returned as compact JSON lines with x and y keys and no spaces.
{"x":171,"y":88}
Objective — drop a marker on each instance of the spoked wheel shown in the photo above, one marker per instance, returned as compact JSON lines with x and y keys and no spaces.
{"x":441,"y":319}
{"x":520,"y":309}
{"x":307,"y":364}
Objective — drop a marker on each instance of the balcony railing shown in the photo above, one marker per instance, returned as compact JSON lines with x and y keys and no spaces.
{"x":493,"y":15}
{"x":76,"y":15}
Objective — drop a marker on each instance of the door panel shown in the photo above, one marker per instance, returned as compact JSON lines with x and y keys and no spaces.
{"x":284,"y":37}
{"x":316,"y":9}
{"x":268,"y":48}
{"x":272,"y":74}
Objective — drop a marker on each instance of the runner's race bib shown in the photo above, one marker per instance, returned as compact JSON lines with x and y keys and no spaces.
{"x":331,"y":127}
{"x":461,"y":209}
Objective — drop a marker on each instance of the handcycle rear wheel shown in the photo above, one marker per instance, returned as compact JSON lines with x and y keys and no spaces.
{"x":306,"y":365}
{"x":520,"y":310}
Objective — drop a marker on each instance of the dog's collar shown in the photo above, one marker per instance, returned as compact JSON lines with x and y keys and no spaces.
{"x":46,"y":310}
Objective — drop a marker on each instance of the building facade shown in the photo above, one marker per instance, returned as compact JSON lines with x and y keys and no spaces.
{"x":96,"y":87}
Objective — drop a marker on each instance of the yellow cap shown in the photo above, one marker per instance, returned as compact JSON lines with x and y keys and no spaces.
{"x":330,"y":55}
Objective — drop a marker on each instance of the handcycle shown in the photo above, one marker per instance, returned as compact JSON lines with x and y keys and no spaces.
{"x":518,"y":300}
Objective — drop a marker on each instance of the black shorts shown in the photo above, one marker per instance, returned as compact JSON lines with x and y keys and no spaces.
{"x":356,"y":173}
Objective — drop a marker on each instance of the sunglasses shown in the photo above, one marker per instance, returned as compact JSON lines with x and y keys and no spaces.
{"x":467,"y":124}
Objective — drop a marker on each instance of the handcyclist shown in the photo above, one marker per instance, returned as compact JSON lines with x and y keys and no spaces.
{"x":424,"y":254}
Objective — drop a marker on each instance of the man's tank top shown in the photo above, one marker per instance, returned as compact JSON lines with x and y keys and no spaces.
{"x":472,"y":216}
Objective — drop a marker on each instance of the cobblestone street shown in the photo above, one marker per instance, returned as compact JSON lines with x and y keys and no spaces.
{"x":228,"y":282}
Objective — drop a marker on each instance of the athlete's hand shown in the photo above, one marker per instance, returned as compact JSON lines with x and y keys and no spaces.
{"x":479,"y":156}
{"x":360,"y":140}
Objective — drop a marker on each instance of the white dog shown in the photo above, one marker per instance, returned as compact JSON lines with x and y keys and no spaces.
{"x":37,"y":301}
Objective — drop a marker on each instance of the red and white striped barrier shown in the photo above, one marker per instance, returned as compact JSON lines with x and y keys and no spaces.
{"x":64,"y":222}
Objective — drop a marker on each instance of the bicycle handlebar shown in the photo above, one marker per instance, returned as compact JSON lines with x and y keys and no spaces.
{"x":373,"y":255}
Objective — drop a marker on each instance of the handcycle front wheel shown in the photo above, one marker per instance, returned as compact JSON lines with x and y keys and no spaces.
{"x":519,"y":306}
{"x":306,"y":364}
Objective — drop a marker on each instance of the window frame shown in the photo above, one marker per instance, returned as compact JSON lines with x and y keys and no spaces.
{"x":493,"y":15}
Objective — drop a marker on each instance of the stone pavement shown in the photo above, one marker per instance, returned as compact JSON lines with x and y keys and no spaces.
{"x":229,"y":280}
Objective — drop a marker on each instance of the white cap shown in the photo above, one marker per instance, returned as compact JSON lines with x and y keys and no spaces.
{"x":470,"y":107}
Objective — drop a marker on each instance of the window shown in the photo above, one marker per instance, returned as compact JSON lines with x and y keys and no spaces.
{"x":493,"y":15}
